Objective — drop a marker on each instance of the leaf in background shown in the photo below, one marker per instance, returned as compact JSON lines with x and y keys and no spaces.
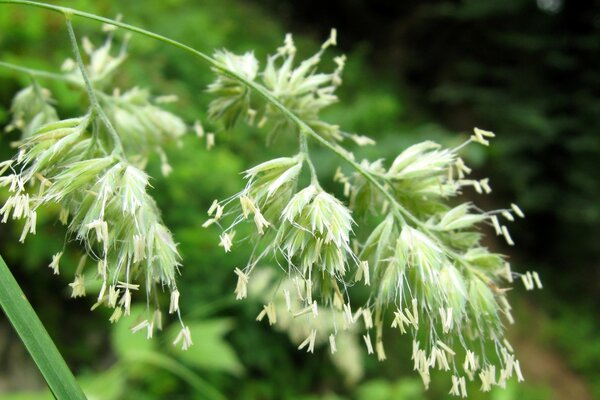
{"x":126,"y":344}
{"x":406,"y":389}
{"x":349,"y":358}
{"x":106,"y":385}
{"x":210,"y":349}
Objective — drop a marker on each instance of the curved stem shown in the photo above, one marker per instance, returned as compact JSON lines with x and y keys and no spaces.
{"x":90,"y":89}
{"x":400,"y":211}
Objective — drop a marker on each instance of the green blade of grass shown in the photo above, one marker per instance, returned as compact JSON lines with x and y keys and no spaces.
{"x":34,"y":336}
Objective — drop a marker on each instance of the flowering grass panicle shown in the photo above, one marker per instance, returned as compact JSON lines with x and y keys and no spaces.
{"x":420,"y":252}
{"x":431,"y":270}
{"x":429,"y":273}
{"x":91,"y":167}
{"x":306,"y":232}
{"x":105,"y":207}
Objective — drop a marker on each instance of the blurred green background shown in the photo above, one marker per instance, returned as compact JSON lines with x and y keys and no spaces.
{"x":528,"y":70}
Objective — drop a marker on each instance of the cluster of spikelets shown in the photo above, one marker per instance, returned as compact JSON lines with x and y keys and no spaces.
{"x":98,"y":182}
{"x":419,"y":252}
{"x":429,"y":274}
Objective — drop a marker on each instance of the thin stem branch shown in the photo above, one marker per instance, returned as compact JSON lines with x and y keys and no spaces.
{"x":38,"y":73}
{"x":118,"y":146}
{"x":314,"y":179}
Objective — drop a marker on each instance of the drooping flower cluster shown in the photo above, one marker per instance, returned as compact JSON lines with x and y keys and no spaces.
{"x":104,"y":204}
{"x":307,"y":231}
{"x":431,"y":270}
{"x":98,"y":182}
{"x":420,"y":252}
{"x":429,"y":273}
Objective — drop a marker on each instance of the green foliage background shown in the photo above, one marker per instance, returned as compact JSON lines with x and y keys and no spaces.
{"x":431,"y":70}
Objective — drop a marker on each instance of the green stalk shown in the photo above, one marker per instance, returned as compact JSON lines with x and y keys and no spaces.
{"x":96,"y":107}
{"x":38,"y":73}
{"x":34,"y":336}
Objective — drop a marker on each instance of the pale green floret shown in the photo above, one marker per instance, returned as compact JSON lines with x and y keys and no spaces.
{"x":275,"y":164}
{"x":245,"y":65}
{"x":380,"y":243}
{"x":76,"y":176}
{"x":232,"y":101}
{"x":51,"y":143}
{"x":422,"y":254}
{"x":271,"y":185}
{"x":430,"y":188}
{"x":163,"y":257}
{"x":102,"y":64}
{"x":298,"y":202}
{"x":481,"y":258}
{"x":420,"y":161}
{"x":484,"y":308}
{"x":31,"y":108}
{"x":288,"y":176}
{"x":299,"y":88}
{"x":141,"y":124}
{"x":364,"y":197}
{"x":458,"y":218}
{"x":316,"y":229}
{"x":454,"y":291}
{"x":133,"y":192}
{"x":411,"y":154}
